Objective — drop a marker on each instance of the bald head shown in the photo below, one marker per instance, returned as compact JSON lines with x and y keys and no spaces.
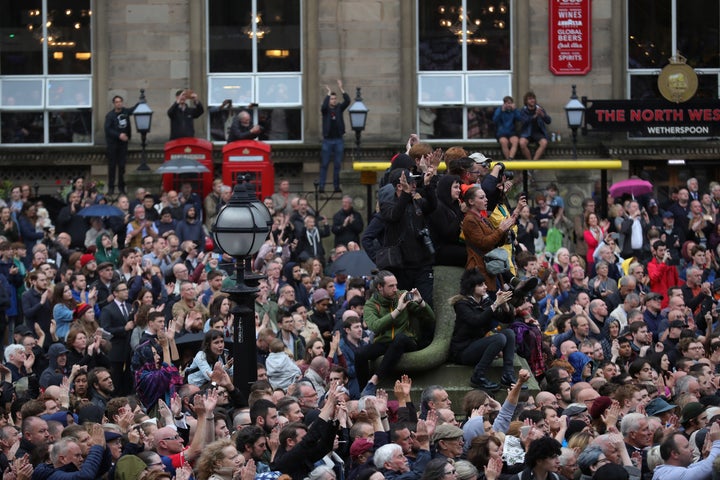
{"x":567,"y":347}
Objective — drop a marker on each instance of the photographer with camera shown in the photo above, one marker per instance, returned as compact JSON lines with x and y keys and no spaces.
{"x":405,"y":212}
{"x":482,"y":236}
{"x":242,"y":127}
{"x":182,"y":115}
{"x":402,"y":322}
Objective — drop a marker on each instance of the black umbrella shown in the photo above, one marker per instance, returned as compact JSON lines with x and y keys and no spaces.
{"x":182,"y":165}
{"x":190,"y":339}
{"x":356,"y":264}
{"x":101,"y":210}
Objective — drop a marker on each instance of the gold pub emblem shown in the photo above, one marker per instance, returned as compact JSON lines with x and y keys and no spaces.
{"x":678,"y":81}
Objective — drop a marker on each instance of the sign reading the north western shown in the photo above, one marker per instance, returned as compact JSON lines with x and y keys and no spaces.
{"x":570,"y":46}
{"x":655,"y":118}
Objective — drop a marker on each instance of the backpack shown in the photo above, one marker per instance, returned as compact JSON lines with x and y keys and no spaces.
{"x":553,"y":241}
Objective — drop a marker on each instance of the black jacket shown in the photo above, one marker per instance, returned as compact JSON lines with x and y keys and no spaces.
{"x":404,"y":219}
{"x":181,"y":121}
{"x":351,"y":232}
{"x":337,"y":112}
{"x":300,"y":461}
{"x":117,"y":123}
{"x":473,"y":320}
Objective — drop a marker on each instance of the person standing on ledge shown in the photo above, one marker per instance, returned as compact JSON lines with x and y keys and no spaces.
{"x":117,"y":137}
{"x":182,"y":116}
{"x":333,"y":129}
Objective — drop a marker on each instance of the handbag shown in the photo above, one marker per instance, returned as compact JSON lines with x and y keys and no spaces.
{"x":497,"y":261}
{"x":389,"y":257}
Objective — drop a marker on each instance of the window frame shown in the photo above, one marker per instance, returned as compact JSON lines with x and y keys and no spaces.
{"x":466,"y":78}
{"x":45,"y":81}
{"x":256,"y":80}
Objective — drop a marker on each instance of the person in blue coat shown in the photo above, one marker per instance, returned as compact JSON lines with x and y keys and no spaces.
{"x":504,"y":119}
{"x":534,"y":119}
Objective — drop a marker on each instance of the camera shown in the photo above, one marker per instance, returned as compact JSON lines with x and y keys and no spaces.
{"x":409,"y":297}
{"x":509,"y":175}
{"x":424,"y":235}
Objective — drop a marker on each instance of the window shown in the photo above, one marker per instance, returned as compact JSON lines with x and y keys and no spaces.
{"x":464,"y":67}
{"x":254,"y":57}
{"x":659,"y":28}
{"x":45,"y":72}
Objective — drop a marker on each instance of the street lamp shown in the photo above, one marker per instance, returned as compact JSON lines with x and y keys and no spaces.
{"x":575,"y":111}
{"x":358,"y":116}
{"x":240,"y":229}
{"x":143,"y":119}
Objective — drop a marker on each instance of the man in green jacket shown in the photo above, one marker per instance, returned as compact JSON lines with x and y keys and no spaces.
{"x":402,"y":322}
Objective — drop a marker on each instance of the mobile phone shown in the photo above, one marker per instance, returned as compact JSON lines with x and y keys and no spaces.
{"x":524,"y":430}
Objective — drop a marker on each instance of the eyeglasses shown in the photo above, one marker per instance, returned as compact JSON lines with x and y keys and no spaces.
{"x":176,"y":437}
{"x":451,"y":472}
{"x":715,"y":346}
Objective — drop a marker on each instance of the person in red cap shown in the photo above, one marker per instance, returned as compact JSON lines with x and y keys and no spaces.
{"x":360,"y":451}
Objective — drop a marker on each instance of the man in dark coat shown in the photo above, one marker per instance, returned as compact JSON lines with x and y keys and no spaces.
{"x":115,"y":319}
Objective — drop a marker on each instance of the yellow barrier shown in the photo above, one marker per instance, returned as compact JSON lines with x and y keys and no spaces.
{"x":516,"y":165}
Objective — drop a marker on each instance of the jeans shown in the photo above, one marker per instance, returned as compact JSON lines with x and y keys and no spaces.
{"x":483,"y":351}
{"x":392,"y":352}
{"x":331,"y":146}
{"x":117,"y":158}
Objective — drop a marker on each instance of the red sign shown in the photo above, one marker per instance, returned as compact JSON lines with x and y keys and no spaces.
{"x":570,"y":46}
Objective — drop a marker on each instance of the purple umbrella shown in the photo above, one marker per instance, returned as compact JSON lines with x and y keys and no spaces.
{"x":633,"y":186}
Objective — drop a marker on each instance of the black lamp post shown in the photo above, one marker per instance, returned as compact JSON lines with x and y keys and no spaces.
{"x":575,"y":112}
{"x":358,"y":116}
{"x":143,"y":120}
{"x":240,"y":229}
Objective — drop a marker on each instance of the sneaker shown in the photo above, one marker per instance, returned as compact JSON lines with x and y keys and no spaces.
{"x":483,"y":383}
{"x":508,"y":379}
{"x":370,"y":389}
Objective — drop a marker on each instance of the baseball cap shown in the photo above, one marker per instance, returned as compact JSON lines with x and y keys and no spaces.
{"x":667,"y":214}
{"x":677,"y":324}
{"x":654,"y":296}
{"x":574,"y":409}
{"x":481,"y":159}
{"x":692,"y":410}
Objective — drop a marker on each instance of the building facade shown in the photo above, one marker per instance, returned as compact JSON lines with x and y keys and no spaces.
{"x":439,"y":68}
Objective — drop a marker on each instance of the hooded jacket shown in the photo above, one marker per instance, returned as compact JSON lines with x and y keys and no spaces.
{"x":192,"y":230}
{"x":111,"y":254}
{"x":53,"y":375}
{"x":578,"y":360}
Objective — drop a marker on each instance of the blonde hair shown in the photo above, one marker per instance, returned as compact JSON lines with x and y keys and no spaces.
{"x":212,"y":454}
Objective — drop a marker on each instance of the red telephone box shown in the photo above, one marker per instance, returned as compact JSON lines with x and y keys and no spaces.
{"x":196,"y":149}
{"x":249,"y":157}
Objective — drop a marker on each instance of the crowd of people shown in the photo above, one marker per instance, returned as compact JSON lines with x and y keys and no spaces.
{"x":118,"y":357}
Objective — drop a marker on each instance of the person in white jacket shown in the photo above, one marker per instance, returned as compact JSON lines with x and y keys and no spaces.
{"x":675,"y":450}
{"x":281,"y":370}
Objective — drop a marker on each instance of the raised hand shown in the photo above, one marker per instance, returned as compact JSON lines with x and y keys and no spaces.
{"x":493,"y":468}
